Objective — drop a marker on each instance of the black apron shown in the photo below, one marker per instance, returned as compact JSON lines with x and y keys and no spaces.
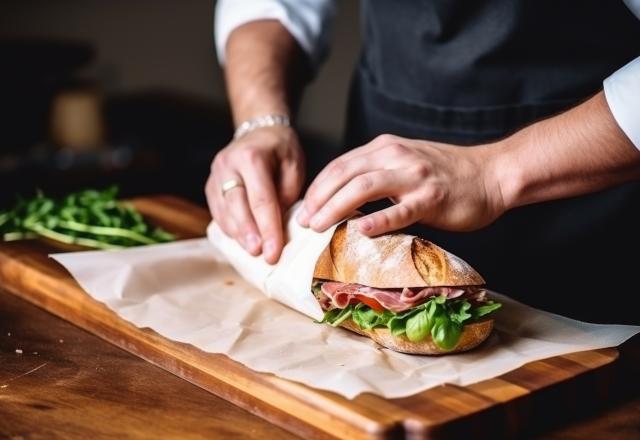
{"x":470,"y":72}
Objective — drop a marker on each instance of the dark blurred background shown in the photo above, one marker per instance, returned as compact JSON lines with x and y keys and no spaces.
{"x":98,"y":92}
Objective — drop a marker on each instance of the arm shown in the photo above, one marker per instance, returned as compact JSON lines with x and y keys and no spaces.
{"x":265,"y":71}
{"x":580,"y":151}
{"x":461,"y":188}
{"x":588,"y":148}
{"x":266,"y":46}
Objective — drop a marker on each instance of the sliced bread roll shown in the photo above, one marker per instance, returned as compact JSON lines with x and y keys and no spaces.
{"x":397,"y":261}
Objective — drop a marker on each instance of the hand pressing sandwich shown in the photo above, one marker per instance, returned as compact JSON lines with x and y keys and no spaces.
{"x":405,"y":293}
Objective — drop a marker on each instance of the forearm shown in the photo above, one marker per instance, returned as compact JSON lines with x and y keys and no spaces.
{"x":580,"y":151}
{"x":265,"y":70}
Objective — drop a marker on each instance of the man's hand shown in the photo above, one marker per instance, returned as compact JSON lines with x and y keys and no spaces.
{"x":265,"y":72}
{"x":444,"y":186}
{"x":270,"y":164}
{"x":464,"y":188}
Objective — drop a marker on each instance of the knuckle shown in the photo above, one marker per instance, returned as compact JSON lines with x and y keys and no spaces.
{"x":422,"y":170}
{"x":261,"y":201}
{"x":435,"y":194}
{"x":215,"y":163}
{"x":242,"y":225}
{"x":226,"y":226}
{"x":311,"y":203}
{"x":250,"y":155}
{"x":396,"y":149}
{"x":382,"y":221}
{"x":384,"y":139}
{"x":337,"y":167}
{"x":363,"y":183}
{"x":404,"y":213}
{"x":221,"y":162}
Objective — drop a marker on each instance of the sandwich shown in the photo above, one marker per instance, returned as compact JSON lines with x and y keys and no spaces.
{"x":404,"y":292}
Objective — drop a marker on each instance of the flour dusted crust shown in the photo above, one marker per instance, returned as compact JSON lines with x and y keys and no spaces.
{"x":472,"y":335}
{"x":391,"y":261}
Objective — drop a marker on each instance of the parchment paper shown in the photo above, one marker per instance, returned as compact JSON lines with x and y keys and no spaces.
{"x":187,"y":291}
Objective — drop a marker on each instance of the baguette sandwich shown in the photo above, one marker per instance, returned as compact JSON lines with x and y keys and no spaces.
{"x":405,"y":293}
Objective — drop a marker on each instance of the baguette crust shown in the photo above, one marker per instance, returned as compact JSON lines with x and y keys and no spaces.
{"x":472,"y":336}
{"x":391,"y":261}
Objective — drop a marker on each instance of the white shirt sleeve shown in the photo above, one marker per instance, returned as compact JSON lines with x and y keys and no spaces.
{"x":308,"y":21}
{"x":622,"y":91}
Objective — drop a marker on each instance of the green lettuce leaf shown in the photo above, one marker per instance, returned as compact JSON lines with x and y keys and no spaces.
{"x":367,"y":318}
{"x":441,"y":318}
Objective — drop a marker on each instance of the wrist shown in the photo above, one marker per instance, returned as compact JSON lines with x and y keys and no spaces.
{"x":276,"y":136}
{"x":506,"y":178}
{"x":262,"y":121}
{"x":253,"y":105}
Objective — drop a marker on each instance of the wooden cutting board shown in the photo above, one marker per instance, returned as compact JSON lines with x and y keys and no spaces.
{"x":500,"y":407}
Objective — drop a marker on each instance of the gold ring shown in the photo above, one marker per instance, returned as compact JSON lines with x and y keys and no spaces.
{"x":228,"y":185}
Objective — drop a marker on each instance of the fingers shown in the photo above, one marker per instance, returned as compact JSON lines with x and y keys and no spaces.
{"x":358,"y":191}
{"x":269,"y":163}
{"x":232,"y":210}
{"x":330,"y":180}
{"x":290,"y":182}
{"x":239,"y":211}
{"x":265,"y":207}
{"x":370,"y":157}
{"x":215,"y":203}
{"x":390,"y":219}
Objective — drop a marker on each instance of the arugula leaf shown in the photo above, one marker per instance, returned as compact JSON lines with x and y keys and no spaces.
{"x":329,"y":316}
{"x":335,"y":317}
{"x":342,"y":316}
{"x":90,"y":218}
{"x":485,"y":309}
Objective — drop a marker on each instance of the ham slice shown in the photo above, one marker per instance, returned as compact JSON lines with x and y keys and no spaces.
{"x":396,"y":300}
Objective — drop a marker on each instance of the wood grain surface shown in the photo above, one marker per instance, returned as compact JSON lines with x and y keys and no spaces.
{"x":523,"y":400}
{"x":69,"y":384}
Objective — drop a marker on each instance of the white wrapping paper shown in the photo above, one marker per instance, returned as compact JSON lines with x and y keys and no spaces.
{"x":187,"y":291}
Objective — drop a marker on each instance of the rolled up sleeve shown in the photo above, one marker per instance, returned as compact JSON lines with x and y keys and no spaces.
{"x":308,"y":21}
{"x":622,"y":90}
